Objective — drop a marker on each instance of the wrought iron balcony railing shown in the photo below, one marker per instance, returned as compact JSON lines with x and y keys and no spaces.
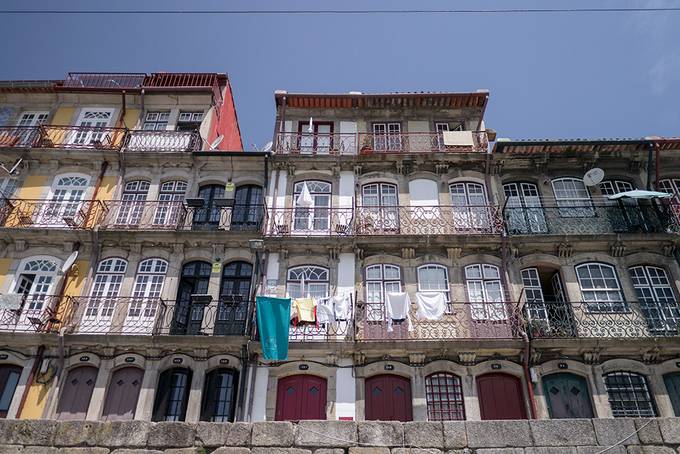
{"x":315,"y":144}
{"x":35,"y":313}
{"x":104,"y":81}
{"x":163,"y":141}
{"x":463,"y":320}
{"x":590,"y":219}
{"x":428,"y":220}
{"x":59,"y":214}
{"x":420,"y":142}
{"x":152,"y":316}
{"x":81,"y":137}
{"x":319,"y":221}
{"x":236,"y":218}
{"x":19,"y":136}
{"x":614,"y":320}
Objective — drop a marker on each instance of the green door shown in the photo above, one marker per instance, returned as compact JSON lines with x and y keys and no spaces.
{"x":673,"y":386}
{"x":567,"y":396}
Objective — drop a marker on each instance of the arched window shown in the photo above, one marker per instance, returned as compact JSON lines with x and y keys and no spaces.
{"x":600,"y":287}
{"x":311,"y":203}
{"x":104,"y":294}
{"x":172,"y":395}
{"x":36,"y":282}
{"x":146,"y":294}
{"x":170,"y":199}
{"x":469,"y":208}
{"x":654,"y":292}
{"x":485,"y":292}
{"x":132,"y":202}
{"x":434,"y":278}
{"x":524,"y":211}
{"x":572,"y":197}
{"x":67,"y":193}
{"x":444,"y":394}
{"x":219,"y":396}
{"x":308,"y":282}
{"x":611,"y":187}
{"x":380,"y":280}
{"x":209,"y":215}
{"x":629,"y":395}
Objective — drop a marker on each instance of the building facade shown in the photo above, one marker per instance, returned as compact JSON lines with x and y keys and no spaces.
{"x":437,"y":273}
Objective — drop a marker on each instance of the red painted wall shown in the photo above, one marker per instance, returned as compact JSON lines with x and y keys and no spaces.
{"x":227,"y":124}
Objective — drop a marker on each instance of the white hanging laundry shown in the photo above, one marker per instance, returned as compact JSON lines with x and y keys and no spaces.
{"x":305,"y":199}
{"x":430,"y":305}
{"x":342,"y":307}
{"x":397,"y":307}
{"x":324,"y":310}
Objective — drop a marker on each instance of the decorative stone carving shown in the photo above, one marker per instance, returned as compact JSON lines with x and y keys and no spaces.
{"x":617,"y":249}
{"x":178,"y":249}
{"x":359,"y":252}
{"x":332,"y":359}
{"x":333,"y":252}
{"x":467,"y":358}
{"x":453,"y":253}
{"x":565,"y":250}
{"x":441,"y":168}
{"x":291,"y":169}
{"x":358,"y":170}
{"x":20,"y":245}
{"x":359,"y":358}
{"x":651,"y":356}
{"x":591,"y":357}
{"x":668,"y":249}
{"x":408,"y":253}
{"x":283,"y":252}
{"x":200,"y":354}
{"x":416,"y":359}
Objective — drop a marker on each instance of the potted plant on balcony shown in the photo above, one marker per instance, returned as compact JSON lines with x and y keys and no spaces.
{"x":367,"y":146}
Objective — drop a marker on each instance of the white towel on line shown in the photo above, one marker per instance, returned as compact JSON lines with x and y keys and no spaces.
{"x":342,"y":306}
{"x":397,"y":307}
{"x":430,"y":305}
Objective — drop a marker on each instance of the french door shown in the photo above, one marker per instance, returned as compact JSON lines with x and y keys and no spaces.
{"x":208,"y":216}
{"x":314,"y":219}
{"x":248,"y":208}
{"x":301,"y":397}
{"x":387,"y":137}
{"x":146,"y":296}
{"x":36,"y":283}
{"x":132,"y":203}
{"x":188,"y":316}
{"x":317,"y":141}
{"x":379,"y":281}
{"x":523,"y":211}
{"x":380,"y":202}
{"x":232,"y":309}
{"x":169,"y":208}
{"x":104,"y":295}
{"x":65,"y":206}
{"x":388,"y":398}
{"x":29,"y":120}
{"x":655,"y":294}
{"x":469,"y":207}
{"x":91,"y":123}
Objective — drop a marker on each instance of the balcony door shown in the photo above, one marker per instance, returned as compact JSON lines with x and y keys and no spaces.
{"x":188,"y":316}
{"x":146,"y":297}
{"x":9,"y":379}
{"x":387,"y":137}
{"x":672,"y":382}
{"x":469,"y":207}
{"x":318,"y":140}
{"x":27,"y":122}
{"x":500,"y":397}
{"x":169,"y":209}
{"x":248,"y":208}
{"x":65,"y":206}
{"x":546,"y":307}
{"x":388,"y":398}
{"x":132,"y":203}
{"x":209,"y":215}
{"x":104,"y":296}
{"x":654,"y":292}
{"x":311,"y":207}
{"x":122,"y":394}
{"x":76,"y":393}
{"x":90,"y":123}
{"x":381,"y":212}
{"x":523,"y":211}
{"x":36,"y":282}
{"x":232,"y":309}
{"x":301,"y":397}
{"x":488,"y":311}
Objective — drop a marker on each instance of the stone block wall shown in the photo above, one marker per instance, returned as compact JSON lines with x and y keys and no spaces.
{"x":579,"y":436}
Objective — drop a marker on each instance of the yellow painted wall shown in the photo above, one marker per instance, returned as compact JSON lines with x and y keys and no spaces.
{"x":4,"y":271}
{"x":130,"y":118}
{"x":107,"y":188}
{"x":75,"y":282}
{"x":63,"y":116}
{"x":33,"y":187}
{"x":35,"y":401}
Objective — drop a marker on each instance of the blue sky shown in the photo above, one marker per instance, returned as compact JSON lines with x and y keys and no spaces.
{"x":550,"y":75}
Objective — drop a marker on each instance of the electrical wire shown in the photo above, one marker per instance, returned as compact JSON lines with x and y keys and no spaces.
{"x":358,"y":12}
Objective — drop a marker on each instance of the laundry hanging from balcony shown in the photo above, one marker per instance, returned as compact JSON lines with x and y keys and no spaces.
{"x":431,"y":305}
{"x":398,"y":306}
{"x":333,"y":309}
{"x":273,"y":320}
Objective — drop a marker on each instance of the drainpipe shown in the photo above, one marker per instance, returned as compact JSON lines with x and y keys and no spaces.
{"x":252,"y":387}
{"x":527,"y":373}
{"x":242,"y":383}
{"x":651,"y":147}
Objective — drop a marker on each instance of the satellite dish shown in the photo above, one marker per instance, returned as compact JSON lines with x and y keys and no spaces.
{"x":204,"y":129}
{"x":218,"y":140}
{"x":69,"y":262}
{"x":268,"y":146}
{"x":593,"y":177}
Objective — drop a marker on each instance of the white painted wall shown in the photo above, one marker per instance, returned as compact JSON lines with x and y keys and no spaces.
{"x":272,"y":274}
{"x":346,"y":193}
{"x":345,"y":391}
{"x":418,"y":126}
{"x":259,"y":412}
{"x":348,"y":137}
{"x":346,"y":273}
{"x":423,"y":192}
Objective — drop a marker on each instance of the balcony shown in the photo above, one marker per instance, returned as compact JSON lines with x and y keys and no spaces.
{"x":307,"y":144}
{"x":590,"y":219}
{"x":463,"y":320}
{"x":428,"y":220}
{"x":177,"y":215}
{"x":62,"y":137}
{"x":34,"y":313}
{"x":163,"y":141}
{"x":104,"y":81}
{"x":57,"y":214}
{"x":319,"y":221}
{"x":154,"y":317}
{"x":565,"y":320}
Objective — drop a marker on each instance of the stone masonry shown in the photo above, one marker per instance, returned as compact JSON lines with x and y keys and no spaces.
{"x":578,"y":436}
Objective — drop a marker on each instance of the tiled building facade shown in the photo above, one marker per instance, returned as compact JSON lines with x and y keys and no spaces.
{"x":136,"y":234}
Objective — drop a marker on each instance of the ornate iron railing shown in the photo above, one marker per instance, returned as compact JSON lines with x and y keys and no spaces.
{"x":551,"y":319}
{"x":152,"y":316}
{"x":316,"y":221}
{"x":428,"y":220}
{"x":594,"y":218}
{"x":144,"y":215}
{"x":419,"y":142}
{"x":64,"y":214}
{"x":19,"y":136}
{"x":239,"y":218}
{"x":37,"y":314}
{"x":81,"y":137}
{"x":163,"y":141}
{"x":315,"y":144}
{"x":463,"y":320}
{"x":104,"y":81}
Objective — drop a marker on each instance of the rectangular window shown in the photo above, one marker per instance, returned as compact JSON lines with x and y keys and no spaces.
{"x":189,"y":121}
{"x":156,"y":121}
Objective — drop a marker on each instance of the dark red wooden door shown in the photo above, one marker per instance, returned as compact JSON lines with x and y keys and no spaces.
{"x":388,"y":398}
{"x":9,"y":378}
{"x":301,"y":397}
{"x":500,"y":397}
{"x":122,"y":394}
{"x":76,"y":393}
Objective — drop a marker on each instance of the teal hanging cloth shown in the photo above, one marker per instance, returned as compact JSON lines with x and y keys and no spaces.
{"x":273,"y":321}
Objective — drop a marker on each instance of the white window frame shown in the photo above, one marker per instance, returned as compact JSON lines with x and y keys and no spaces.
{"x":387,"y":136}
{"x":106,"y":287}
{"x":36,"y":299}
{"x":602,"y":298}
{"x":482,"y":305}
{"x":445,"y":289}
{"x":375,"y":310}
{"x":310,"y":277}
{"x":654,"y":292}
{"x":318,"y":218}
{"x":572,"y":205}
{"x":146,"y":295}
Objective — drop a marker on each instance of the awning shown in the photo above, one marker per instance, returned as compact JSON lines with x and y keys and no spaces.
{"x":640,"y":194}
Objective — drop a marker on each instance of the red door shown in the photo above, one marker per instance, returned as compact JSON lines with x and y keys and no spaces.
{"x":76,"y":393}
{"x":122,"y":394}
{"x":301,"y":397}
{"x":500,"y":397}
{"x":388,"y":398}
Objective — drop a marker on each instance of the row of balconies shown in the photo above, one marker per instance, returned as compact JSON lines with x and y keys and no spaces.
{"x":193,"y":214}
{"x":98,"y":138}
{"x":234,"y":316}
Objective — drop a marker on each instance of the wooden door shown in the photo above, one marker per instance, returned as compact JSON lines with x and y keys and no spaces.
{"x":673,"y":386}
{"x":122,"y":394}
{"x":500,"y":397}
{"x":76,"y":393}
{"x":9,"y":378}
{"x":388,"y":398}
{"x":567,"y":396}
{"x":301,"y":397}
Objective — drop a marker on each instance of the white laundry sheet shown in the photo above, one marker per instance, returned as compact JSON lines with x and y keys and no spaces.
{"x":430,"y":305}
{"x":397,"y":307}
{"x":334,"y":309}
